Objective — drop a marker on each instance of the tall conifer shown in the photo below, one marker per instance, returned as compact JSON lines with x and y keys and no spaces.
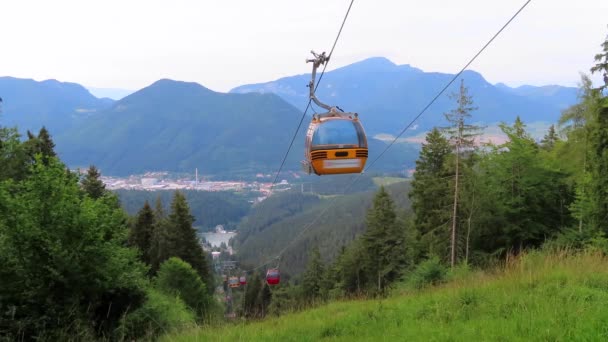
{"x":142,"y":231}
{"x":92,"y":184}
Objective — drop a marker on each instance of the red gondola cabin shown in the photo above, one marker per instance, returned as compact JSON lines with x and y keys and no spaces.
{"x":273,"y":276}
{"x":243,"y":280}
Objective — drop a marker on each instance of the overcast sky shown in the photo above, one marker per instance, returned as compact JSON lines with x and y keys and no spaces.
{"x":223,"y":44}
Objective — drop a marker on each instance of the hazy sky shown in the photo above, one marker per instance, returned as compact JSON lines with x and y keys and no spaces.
{"x":223,"y":44}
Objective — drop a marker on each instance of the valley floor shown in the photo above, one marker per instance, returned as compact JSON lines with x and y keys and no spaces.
{"x":538,"y":297}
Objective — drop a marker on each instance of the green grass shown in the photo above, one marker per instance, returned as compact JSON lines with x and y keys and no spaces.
{"x":556,"y":297}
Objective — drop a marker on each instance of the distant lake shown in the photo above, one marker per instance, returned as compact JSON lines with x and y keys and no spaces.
{"x":216,"y":239}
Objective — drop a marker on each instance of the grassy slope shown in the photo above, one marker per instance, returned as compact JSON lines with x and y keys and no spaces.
{"x":538,"y":298}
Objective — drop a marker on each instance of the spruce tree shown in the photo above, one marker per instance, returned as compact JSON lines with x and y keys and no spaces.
{"x":601,"y":65}
{"x":159,"y":244}
{"x":92,"y":184}
{"x":599,"y":167}
{"x":142,"y":231}
{"x":252,"y":293}
{"x":46,"y":144}
{"x":314,"y":276}
{"x":183,"y":241}
{"x":430,"y":195}
{"x":599,"y":146}
{"x":549,"y":140}
{"x":383,"y":243}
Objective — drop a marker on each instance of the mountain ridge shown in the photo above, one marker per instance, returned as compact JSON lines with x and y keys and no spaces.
{"x":384,"y":93}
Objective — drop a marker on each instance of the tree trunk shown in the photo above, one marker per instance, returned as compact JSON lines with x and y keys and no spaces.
{"x":453,"y":249}
{"x":466,"y":255}
{"x":580,"y":219}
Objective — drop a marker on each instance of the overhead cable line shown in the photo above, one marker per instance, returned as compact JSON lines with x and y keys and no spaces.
{"x":448,"y":84}
{"x":356,"y":177}
{"x":295,"y":134}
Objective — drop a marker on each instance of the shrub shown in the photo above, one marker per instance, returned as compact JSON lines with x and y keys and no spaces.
{"x":428,"y":272}
{"x":160,"y":314}
{"x":177,"y":278}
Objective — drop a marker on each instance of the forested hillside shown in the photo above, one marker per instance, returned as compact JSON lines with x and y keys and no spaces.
{"x":208,"y":208}
{"x":472,"y":206}
{"x":299,"y":222}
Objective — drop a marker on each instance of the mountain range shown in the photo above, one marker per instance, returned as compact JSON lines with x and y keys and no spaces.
{"x":59,"y":106}
{"x":177,"y":126}
{"x":387,"y":95}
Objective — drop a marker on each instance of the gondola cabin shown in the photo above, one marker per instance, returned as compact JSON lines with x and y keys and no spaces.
{"x":243,"y":280}
{"x":224,"y":278}
{"x":335,"y":144}
{"x":273,"y":276}
{"x":233,"y":282}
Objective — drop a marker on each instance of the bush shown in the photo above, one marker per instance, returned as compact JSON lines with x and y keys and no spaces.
{"x":572,"y":239}
{"x":177,"y":278}
{"x":428,"y":272}
{"x":160,"y":314}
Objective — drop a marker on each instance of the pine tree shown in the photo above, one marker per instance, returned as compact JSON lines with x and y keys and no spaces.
{"x":549,"y":140}
{"x":462,"y":137}
{"x":522,"y":196}
{"x":599,"y":167}
{"x":601,"y":65}
{"x":383,"y":243}
{"x":598,"y":139}
{"x":46,"y":144}
{"x":430,"y":195}
{"x":313,"y":278}
{"x":142,"y":231}
{"x":252,"y":293}
{"x":183,"y":241}
{"x":159,"y":244}
{"x":92,"y":184}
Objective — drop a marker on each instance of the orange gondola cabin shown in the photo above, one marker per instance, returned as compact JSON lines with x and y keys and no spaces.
{"x":273,"y":276}
{"x":335,"y":140}
{"x":233,"y":282}
{"x":335,"y":144}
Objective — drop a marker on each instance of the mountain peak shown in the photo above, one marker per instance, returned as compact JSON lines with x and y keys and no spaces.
{"x":167,"y":88}
{"x":371,"y":64}
{"x":166,"y":82}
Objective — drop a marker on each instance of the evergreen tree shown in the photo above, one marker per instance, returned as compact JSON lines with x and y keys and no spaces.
{"x":313,"y":278}
{"x":601,"y":65}
{"x":252,"y":293}
{"x":462,"y":137}
{"x":64,"y":261}
{"x":142,"y":231}
{"x":264,"y":300}
{"x":383,"y":243}
{"x":182,"y":241}
{"x":549,"y":140}
{"x":46,"y":144}
{"x":159,"y":244}
{"x":430,"y":196}
{"x":521,"y":196}
{"x":351,"y":269}
{"x":598,"y":138}
{"x":598,"y":187}
{"x":92,"y":184}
